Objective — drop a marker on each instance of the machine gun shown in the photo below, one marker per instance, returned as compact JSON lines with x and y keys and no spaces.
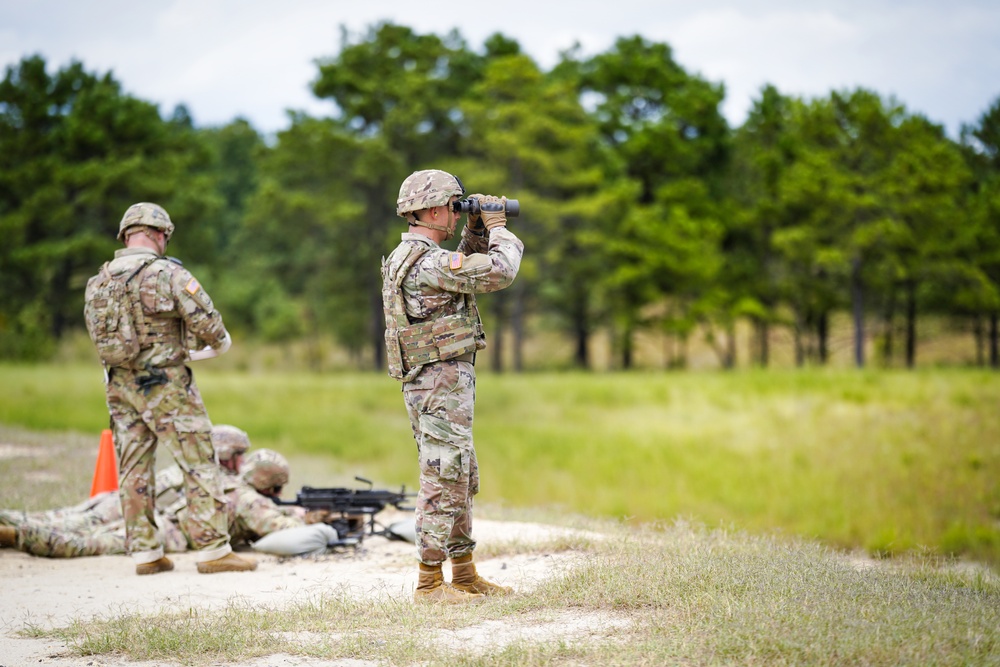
{"x":352,"y":511}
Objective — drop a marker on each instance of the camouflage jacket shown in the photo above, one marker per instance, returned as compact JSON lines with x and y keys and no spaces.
{"x":436,"y":283}
{"x":174,"y":307}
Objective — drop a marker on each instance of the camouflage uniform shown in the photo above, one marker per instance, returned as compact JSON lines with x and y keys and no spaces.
{"x":154,"y":400}
{"x":92,"y":528}
{"x":250,"y":514}
{"x":102,"y":508}
{"x":441,"y":396}
{"x":229,"y":443}
{"x":170,"y":495}
{"x":97,"y":528}
{"x":100,"y":530}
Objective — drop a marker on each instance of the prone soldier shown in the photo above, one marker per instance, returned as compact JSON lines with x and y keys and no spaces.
{"x":249,"y":507}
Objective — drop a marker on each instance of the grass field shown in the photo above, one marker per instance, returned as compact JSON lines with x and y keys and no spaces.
{"x":662,"y":595}
{"x":888,"y":461}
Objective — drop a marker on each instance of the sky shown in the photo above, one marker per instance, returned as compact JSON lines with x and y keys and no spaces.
{"x":255,"y":59}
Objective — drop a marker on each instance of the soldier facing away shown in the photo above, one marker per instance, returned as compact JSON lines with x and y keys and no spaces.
{"x":140,"y":310}
{"x":433,"y":331}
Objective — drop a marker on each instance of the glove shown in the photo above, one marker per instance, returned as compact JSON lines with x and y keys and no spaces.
{"x":316,"y":516}
{"x":493,"y":211}
{"x":475,"y":221}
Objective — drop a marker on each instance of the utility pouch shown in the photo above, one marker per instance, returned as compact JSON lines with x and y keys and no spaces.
{"x":454,"y":336}
{"x":394,"y":355}
{"x":417,"y":343}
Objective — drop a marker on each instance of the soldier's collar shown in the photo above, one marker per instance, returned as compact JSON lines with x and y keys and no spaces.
{"x":420,"y":238}
{"x":129,"y":252}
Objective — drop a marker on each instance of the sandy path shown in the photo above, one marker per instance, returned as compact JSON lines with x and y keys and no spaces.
{"x":40,"y":592}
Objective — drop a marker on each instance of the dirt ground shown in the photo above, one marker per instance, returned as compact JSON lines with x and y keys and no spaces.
{"x":41,"y":592}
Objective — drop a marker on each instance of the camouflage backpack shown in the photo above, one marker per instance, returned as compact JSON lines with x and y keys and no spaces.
{"x":109,"y":313}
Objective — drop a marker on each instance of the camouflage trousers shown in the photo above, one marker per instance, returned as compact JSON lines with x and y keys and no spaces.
{"x":440,"y":402}
{"x":164,"y":407}
{"x":102,"y":508}
{"x":92,"y":528}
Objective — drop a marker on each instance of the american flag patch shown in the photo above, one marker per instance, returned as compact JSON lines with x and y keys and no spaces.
{"x":456,"y":261}
{"x":192,"y":287}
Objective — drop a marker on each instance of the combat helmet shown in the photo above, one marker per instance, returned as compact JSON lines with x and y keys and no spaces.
{"x":229,"y":441}
{"x":426,"y":189}
{"x":265,"y":470}
{"x":147,"y":215}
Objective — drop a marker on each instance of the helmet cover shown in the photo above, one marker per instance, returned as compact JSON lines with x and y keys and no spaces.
{"x":426,"y":189}
{"x":146,"y":215}
{"x":265,"y":469}
{"x":229,"y":441}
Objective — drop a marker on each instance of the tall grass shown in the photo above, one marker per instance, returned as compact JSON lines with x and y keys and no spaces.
{"x":889,"y":461}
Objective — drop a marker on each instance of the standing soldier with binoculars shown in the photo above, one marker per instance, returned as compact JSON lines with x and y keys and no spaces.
{"x":432,"y":334}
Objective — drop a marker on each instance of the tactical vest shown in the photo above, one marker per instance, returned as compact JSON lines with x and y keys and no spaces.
{"x":409,"y":347}
{"x":157,"y":329}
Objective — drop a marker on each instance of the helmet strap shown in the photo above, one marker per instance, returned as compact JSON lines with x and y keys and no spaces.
{"x":414,"y":220}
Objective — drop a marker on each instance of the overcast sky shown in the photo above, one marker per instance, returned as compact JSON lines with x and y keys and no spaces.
{"x":255,"y":58}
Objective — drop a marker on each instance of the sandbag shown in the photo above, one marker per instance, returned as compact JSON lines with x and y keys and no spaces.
{"x":404,"y":531}
{"x":299,"y":541}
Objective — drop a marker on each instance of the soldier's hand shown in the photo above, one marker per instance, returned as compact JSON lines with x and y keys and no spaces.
{"x":317,"y":516}
{"x":475,"y":221}
{"x":492,"y":211}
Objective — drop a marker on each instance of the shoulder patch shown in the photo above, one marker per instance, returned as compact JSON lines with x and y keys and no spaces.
{"x":455,"y":261}
{"x":192,"y":287}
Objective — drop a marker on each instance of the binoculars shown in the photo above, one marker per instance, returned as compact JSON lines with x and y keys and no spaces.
{"x":512,"y":208}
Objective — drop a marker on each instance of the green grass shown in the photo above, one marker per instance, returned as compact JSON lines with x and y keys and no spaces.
{"x":888,"y":461}
{"x":666,"y":592}
{"x":673,"y":594}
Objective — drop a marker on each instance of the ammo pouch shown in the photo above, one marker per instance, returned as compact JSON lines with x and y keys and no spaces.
{"x":438,"y":340}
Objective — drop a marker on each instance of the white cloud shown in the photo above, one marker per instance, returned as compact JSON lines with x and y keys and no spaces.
{"x":255,"y":58}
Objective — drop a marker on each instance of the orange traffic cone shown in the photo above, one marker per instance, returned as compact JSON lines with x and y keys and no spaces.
{"x":106,"y":471}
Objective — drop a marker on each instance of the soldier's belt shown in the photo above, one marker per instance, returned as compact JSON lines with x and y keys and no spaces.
{"x":446,"y":338}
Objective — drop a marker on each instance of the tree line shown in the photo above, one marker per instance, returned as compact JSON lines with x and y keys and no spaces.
{"x":641,"y":208}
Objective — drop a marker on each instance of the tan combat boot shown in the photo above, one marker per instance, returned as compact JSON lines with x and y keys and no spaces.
{"x":228,"y":563}
{"x":163,"y":564}
{"x":8,"y":537}
{"x":465,"y":578}
{"x":432,"y":588}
